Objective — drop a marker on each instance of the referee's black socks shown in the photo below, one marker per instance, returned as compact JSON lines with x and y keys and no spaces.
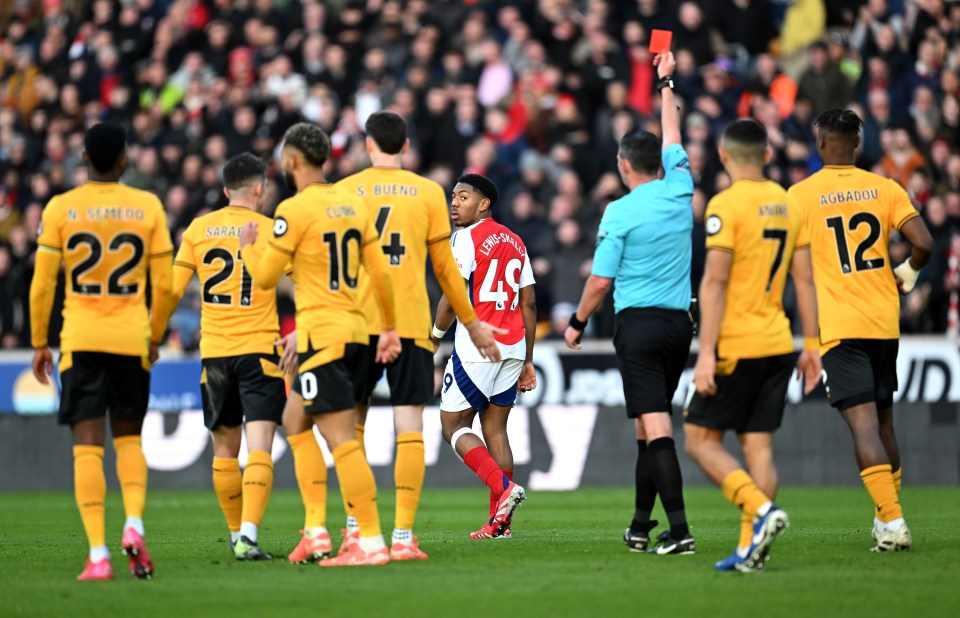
{"x":646,"y":490}
{"x":665,"y":467}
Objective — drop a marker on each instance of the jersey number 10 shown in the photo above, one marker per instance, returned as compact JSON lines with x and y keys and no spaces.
{"x":511,"y":274}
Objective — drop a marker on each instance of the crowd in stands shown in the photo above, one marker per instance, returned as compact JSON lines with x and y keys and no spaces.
{"x":534,"y":94}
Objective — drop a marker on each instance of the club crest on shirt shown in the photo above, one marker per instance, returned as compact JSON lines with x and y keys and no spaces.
{"x":714,"y":225}
{"x":279,"y":227}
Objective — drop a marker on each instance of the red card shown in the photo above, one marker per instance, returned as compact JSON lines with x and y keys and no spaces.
{"x":660,"y":41}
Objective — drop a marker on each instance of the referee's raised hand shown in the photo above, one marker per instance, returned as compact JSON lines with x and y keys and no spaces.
{"x":665,"y":63}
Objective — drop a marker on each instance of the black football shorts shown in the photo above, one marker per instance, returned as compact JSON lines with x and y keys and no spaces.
{"x":652,"y":348}
{"x":859,"y":371}
{"x":248,"y":386}
{"x":91,"y":383}
{"x":750,"y":396}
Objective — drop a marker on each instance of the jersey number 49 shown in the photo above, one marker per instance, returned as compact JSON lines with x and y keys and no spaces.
{"x":511,"y":275}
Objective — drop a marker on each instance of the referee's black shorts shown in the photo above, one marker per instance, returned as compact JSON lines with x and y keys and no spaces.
{"x":652,"y":347}
{"x":859,"y":371}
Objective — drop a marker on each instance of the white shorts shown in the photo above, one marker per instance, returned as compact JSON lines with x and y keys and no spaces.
{"x":476,"y":385}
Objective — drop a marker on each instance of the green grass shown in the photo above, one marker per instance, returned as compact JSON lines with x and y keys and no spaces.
{"x":566,"y":559}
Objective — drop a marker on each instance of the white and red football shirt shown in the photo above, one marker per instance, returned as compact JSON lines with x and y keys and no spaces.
{"x":495,"y":264}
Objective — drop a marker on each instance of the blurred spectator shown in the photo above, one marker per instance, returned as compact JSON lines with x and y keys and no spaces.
{"x":746,"y":23}
{"x":902,"y":157}
{"x":823,"y":83}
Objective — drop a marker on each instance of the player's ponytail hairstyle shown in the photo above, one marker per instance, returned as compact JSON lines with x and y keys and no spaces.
{"x":841,"y":122}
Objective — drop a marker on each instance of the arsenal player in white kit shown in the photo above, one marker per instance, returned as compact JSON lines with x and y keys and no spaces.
{"x":494,"y":262}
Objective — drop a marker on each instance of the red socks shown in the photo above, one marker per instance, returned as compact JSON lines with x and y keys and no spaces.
{"x":495,"y":495}
{"x":480,"y":461}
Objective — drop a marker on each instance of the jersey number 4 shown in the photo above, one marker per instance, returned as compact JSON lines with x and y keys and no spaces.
{"x":396,"y":249}
{"x":843,"y":251}
{"x":499,"y":296}
{"x":219,"y":254}
{"x":95,"y":248}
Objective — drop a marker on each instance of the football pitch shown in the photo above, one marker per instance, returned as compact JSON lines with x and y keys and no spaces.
{"x":566,"y":559}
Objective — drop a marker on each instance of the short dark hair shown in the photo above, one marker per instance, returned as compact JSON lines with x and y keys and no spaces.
{"x":243,"y":170}
{"x":388,"y":130}
{"x":641,"y":149}
{"x":310,"y":140}
{"x":105,"y":143}
{"x":482,"y":185}
{"x":842,"y":122}
{"x":745,"y":140}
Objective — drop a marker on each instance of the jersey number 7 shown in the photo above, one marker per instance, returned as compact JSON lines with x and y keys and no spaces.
{"x":780,"y":237}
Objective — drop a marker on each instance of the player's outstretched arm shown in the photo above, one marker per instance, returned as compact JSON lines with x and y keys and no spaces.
{"x":669,"y":115}
{"x":528,"y":308}
{"x":160,"y":312}
{"x":915,"y":230}
{"x":451,"y":281}
{"x":43,"y":287}
{"x":712,"y":302}
{"x":160,"y":266}
{"x":808,"y":365}
{"x":265,"y":267}
{"x":184,"y":267}
{"x":182,"y":275}
{"x":593,"y":292}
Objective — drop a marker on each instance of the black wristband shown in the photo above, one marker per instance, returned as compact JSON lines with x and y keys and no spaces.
{"x":576,"y":324}
{"x":665,"y":82}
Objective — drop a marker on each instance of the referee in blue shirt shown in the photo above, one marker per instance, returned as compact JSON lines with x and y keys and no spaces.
{"x":644,"y":245}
